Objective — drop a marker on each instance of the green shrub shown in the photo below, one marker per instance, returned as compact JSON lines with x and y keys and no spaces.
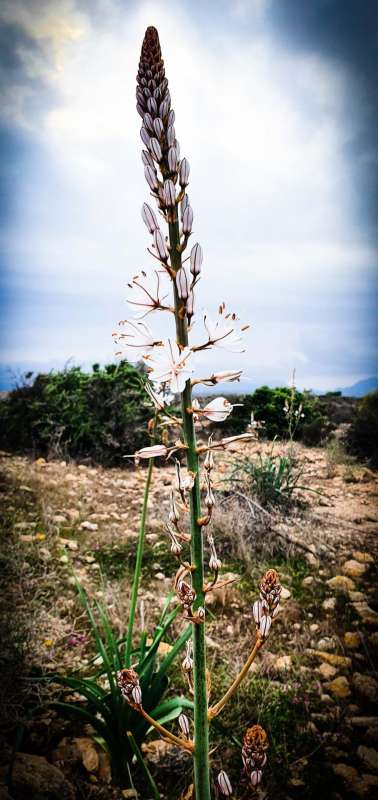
{"x":100,"y":415}
{"x":362,"y":439}
{"x":271,"y":479}
{"x":268,"y":406}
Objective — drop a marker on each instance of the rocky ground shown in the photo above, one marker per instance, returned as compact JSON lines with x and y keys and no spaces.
{"x":314,"y":685}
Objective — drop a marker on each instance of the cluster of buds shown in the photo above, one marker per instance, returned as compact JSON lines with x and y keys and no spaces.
{"x":267,"y":607}
{"x":255,"y":745}
{"x":128,"y":682}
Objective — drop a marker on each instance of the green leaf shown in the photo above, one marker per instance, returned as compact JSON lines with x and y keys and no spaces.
{"x":144,"y":767}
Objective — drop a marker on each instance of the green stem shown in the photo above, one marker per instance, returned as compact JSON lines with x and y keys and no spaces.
{"x":201,"y":729}
{"x":138,"y":564}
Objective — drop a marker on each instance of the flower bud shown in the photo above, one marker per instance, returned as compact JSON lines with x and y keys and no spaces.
{"x":161,"y":245}
{"x":144,"y":136}
{"x":256,"y":776}
{"x":265,"y":624}
{"x":158,"y":127}
{"x":182,"y":283}
{"x":201,"y":613}
{"x":171,"y":136}
{"x":140,"y":109}
{"x":184,"y":205}
{"x":136,"y":695}
{"x":147,"y":159}
{"x":176,"y":547}
{"x":152,"y":105}
{"x":171,"y":117}
{"x":149,"y":218}
{"x":154,"y":451}
{"x":196,"y":258}
{"x":169,"y":194}
{"x":172,"y":159}
{"x":151,"y":178}
{"x":184,"y":725}
{"x":155,"y":149}
{"x":224,"y":784}
{"x":257,"y":611}
{"x":187,"y":220}
{"x":215,"y":564}
{"x":148,"y":122}
{"x":187,"y":664}
{"x":164,"y":109}
{"x":190,"y":305}
{"x":177,"y":146}
{"x":209,"y":461}
{"x":184,"y":172}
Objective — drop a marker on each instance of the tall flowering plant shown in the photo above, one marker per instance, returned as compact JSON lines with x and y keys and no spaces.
{"x":171,"y":287}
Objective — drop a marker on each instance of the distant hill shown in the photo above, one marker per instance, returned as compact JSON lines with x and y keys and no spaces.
{"x":360,"y":388}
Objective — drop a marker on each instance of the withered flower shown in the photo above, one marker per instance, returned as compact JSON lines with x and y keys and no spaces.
{"x":255,"y":744}
{"x":128,"y":682}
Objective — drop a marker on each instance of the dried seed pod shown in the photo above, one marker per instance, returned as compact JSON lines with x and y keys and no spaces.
{"x":172,"y":159}
{"x":161,"y":245}
{"x":176,"y":547}
{"x":169,"y":194}
{"x":149,"y":218}
{"x":144,"y":135}
{"x":224,"y":784}
{"x":155,"y":149}
{"x":174,"y":515}
{"x":184,"y":725}
{"x":187,"y":220}
{"x":151,"y":178}
{"x":196,"y":258}
{"x":182,"y":283}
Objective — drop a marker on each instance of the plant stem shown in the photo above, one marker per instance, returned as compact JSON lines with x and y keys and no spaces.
{"x":201,"y":728}
{"x":215,"y":710}
{"x":143,"y":765}
{"x":184,"y":743}
{"x":138,"y":564}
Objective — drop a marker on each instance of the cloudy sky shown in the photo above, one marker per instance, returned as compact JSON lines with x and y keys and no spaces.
{"x":276,"y":111}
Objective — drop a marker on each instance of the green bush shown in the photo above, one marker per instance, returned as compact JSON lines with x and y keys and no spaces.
{"x":268,"y":407}
{"x":362,"y":439}
{"x":100,"y":415}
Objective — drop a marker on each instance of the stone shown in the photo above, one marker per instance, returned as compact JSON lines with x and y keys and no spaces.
{"x":341,"y":583}
{"x":368,"y":756}
{"x":160,"y":576}
{"x":326,"y":699}
{"x":327,"y":643}
{"x":88,"y":526}
{"x":350,"y":778}
{"x":340,"y":687}
{"x":33,"y":777}
{"x":357,"y":597}
{"x":314,"y":627}
{"x":366,"y":687}
{"x":363,"y":558}
{"x":366,"y":614}
{"x":364,"y":722}
{"x":327,"y":671}
{"x":330,"y":658}
{"x":88,"y":753}
{"x":329,"y":604}
{"x":285,"y":594}
{"x":283,"y":664}
{"x":308,"y":581}
{"x":352,"y":640}
{"x":354,"y":569}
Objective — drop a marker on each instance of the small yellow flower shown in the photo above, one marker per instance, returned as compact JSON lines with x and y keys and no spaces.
{"x":48,"y":642}
{"x":40,"y":537}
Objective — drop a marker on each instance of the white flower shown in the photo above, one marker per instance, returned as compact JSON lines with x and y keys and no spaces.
{"x":159,"y":399}
{"x":139,"y":336}
{"x":171,"y":365}
{"x":147,"y":293}
{"x":152,"y":452}
{"x":223,"y":332}
{"x":217,"y":410}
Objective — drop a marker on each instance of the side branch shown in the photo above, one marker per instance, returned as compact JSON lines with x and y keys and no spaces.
{"x":215,"y":710}
{"x":185,"y":744}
